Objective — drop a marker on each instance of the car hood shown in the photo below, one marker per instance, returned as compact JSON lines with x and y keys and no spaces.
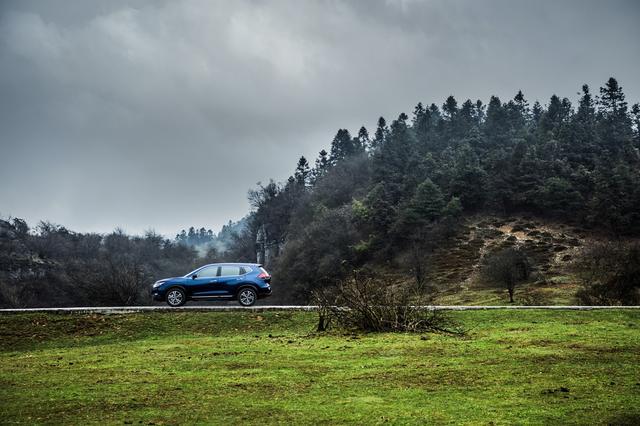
{"x":164,"y":280}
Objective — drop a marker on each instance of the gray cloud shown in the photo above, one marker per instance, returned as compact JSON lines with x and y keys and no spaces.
{"x":163,"y":114}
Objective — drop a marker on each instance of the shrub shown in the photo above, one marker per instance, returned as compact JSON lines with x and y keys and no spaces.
{"x":610,"y":274}
{"x":366,"y":303}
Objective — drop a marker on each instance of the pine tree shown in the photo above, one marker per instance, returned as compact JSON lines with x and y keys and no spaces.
{"x":554,"y":118}
{"x":380,"y":210}
{"x":467,"y":111}
{"x":381,"y":134}
{"x":521,"y":104}
{"x":520,"y":112}
{"x":496,"y":127}
{"x":582,"y":147}
{"x":418,"y":113}
{"x":450,"y":108}
{"x":363,"y":140}
{"x":467,"y":119}
{"x":321,"y":166}
{"x":395,"y":157}
{"x":341,"y":147}
{"x":303,"y":173}
{"x":615,"y":125}
{"x":612,"y":100}
{"x":586,"y":108}
{"x":536,"y":113}
{"x":423,"y":126}
{"x":468,"y":179}
{"x":427,"y":203}
{"x":480,"y":111}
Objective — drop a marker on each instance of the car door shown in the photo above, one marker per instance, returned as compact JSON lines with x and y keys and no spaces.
{"x":229,"y":279}
{"x":205,"y":282}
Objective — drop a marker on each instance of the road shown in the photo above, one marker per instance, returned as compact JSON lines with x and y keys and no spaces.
{"x":259,"y":308}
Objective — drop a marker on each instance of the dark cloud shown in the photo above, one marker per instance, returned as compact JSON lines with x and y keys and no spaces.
{"x":162,"y":114}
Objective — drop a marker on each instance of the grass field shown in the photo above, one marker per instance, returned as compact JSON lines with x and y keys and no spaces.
{"x":525,"y":367}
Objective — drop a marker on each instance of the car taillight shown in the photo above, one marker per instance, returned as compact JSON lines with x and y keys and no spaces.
{"x":264,"y":276}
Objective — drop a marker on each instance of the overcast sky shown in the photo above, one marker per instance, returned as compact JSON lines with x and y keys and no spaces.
{"x":162,"y":115}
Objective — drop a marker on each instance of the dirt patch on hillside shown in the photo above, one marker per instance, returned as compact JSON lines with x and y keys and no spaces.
{"x":552,"y":247}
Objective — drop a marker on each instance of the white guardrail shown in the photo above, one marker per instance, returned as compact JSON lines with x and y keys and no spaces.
{"x":225,"y":308}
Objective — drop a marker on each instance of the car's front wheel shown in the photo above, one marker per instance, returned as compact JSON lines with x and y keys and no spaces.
{"x":247,"y":296}
{"x":176,"y":297}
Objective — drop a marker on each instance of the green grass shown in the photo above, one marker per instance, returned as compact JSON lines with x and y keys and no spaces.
{"x":525,"y":367}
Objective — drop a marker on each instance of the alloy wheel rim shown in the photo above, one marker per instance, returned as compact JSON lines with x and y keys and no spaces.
{"x":247,"y":297}
{"x":174,"y":297}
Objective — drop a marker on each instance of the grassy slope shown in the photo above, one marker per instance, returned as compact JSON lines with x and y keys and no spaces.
{"x":551,"y":248}
{"x":169,"y":368}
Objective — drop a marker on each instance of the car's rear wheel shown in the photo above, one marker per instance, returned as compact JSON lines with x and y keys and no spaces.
{"x":176,"y":297}
{"x":247,"y":296}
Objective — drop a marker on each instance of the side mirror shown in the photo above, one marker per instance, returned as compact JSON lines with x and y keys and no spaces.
{"x":194,"y":276}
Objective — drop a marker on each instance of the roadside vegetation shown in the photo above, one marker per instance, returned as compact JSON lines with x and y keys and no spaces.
{"x":367,"y":302}
{"x":512,"y":367}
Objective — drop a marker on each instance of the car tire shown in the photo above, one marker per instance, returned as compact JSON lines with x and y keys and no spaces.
{"x":247,"y":296}
{"x":176,"y":297}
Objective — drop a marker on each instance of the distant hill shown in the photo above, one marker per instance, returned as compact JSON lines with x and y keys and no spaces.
{"x":204,"y":239}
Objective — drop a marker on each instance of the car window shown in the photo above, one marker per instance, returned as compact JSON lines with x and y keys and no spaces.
{"x":226,"y":271}
{"x":244,"y":270}
{"x":208,"y":272}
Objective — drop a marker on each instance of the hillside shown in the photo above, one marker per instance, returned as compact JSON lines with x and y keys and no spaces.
{"x":428,"y":197}
{"x":551,"y":246}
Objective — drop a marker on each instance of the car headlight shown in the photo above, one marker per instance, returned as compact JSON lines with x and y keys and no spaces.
{"x":157,"y":284}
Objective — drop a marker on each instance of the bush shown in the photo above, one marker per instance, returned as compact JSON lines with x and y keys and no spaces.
{"x":610,"y":274}
{"x":366,"y":303}
{"x":9,"y":296}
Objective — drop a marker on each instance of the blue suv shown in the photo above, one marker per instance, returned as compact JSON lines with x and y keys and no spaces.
{"x":244,"y":282}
